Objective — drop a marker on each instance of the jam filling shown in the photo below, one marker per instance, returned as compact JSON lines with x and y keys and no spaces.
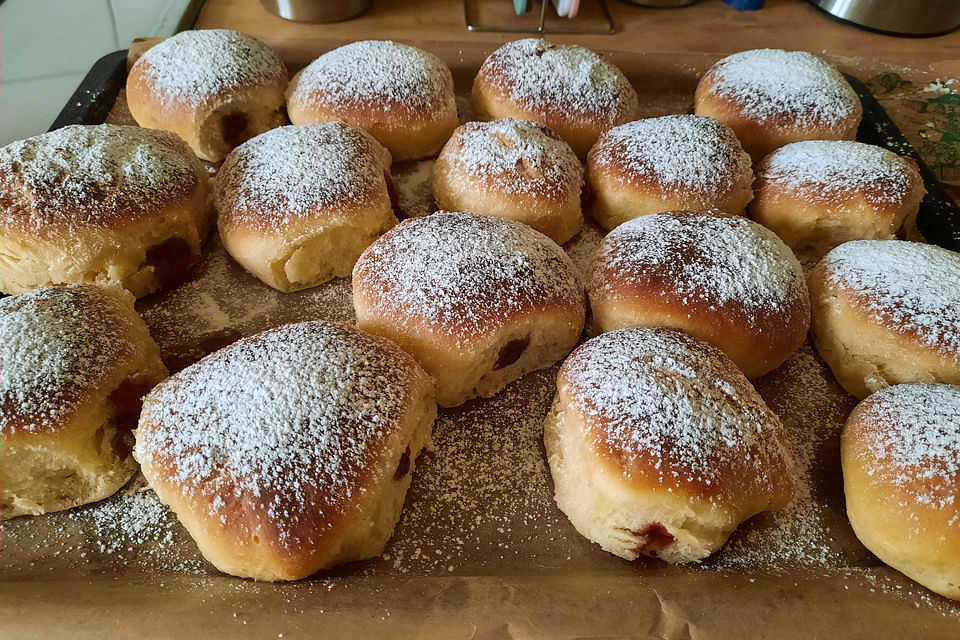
{"x":655,"y":537}
{"x":126,"y":401}
{"x":511,"y":352}
{"x":403,"y":468}
{"x":233,"y":128}
{"x":171,"y":261}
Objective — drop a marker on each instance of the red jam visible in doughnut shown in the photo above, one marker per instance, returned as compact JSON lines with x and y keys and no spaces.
{"x":403,"y":468}
{"x":511,"y":352}
{"x":233,"y":128}
{"x":171,"y":261}
{"x":655,"y":537}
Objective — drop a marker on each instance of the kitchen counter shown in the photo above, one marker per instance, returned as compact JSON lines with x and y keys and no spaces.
{"x":709,"y":27}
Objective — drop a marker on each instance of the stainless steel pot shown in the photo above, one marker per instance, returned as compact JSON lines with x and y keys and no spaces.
{"x":906,"y":17}
{"x":316,"y":11}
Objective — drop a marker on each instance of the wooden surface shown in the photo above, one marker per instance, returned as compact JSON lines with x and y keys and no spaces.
{"x":709,"y":27}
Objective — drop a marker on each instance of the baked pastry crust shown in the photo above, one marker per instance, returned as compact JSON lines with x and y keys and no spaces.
{"x":299,"y":204}
{"x":215,"y":88}
{"x":659,"y":446}
{"x":728,"y":281}
{"x":101,"y":204}
{"x":887,"y":312}
{"x":572,"y":90}
{"x":818,"y":194}
{"x":513,"y":169}
{"x":289,"y":451}
{"x":478,"y":301}
{"x":401,"y":95}
{"x":772,"y":97}
{"x":668,"y":163}
{"x":900,"y":452}
{"x":75,"y":362}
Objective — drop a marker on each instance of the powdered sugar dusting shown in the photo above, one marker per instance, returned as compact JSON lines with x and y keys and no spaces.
{"x":567,"y":79}
{"x":297,"y":171}
{"x":515,"y":156}
{"x":192,"y":67}
{"x":701,"y":258}
{"x":55,"y":344}
{"x":652,"y":393}
{"x":788,"y":87}
{"x":285,"y":421}
{"x":912,"y":437}
{"x":90,"y":176}
{"x":461,"y":273}
{"x":914,"y":286}
{"x":687,"y":152}
{"x":378,"y":75}
{"x":835,"y":170}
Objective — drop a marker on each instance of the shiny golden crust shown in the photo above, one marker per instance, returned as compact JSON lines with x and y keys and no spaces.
{"x":100,"y":204}
{"x":401,"y":95}
{"x":298,"y":205}
{"x":479,"y":301}
{"x":885,"y":312}
{"x":771,"y":98}
{"x":513,"y":169}
{"x":572,"y":90}
{"x":727,"y":281}
{"x":900,"y":452}
{"x":215,"y":88}
{"x":76,"y":360}
{"x":668,"y":163}
{"x":818,"y":194}
{"x":279,"y":486}
{"x":635,"y":448}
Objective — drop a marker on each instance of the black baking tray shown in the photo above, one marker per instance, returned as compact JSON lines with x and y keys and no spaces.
{"x":938,"y":218}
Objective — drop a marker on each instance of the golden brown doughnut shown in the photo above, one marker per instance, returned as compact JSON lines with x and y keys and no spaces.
{"x":728,"y":281}
{"x":101,"y":204}
{"x":74,"y":364}
{"x":401,"y":95}
{"x":215,"y":88}
{"x":887,"y":312}
{"x":514,"y":169}
{"x":900,"y":452}
{"x":572,"y":90}
{"x":818,"y":194}
{"x":771,"y":97}
{"x":659,"y":446}
{"x":663,"y":164}
{"x":478,"y":301}
{"x":289,"y":451}
{"x":299,"y":204}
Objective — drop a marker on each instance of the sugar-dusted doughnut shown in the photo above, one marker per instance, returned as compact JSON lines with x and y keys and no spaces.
{"x":887,"y":312}
{"x":514,"y":169}
{"x":289,"y":451}
{"x":215,"y":88}
{"x":662,"y":164}
{"x":817,"y":194}
{"x":728,"y":281}
{"x":771,"y":97}
{"x":74,"y":364}
{"x":101,"y":204}
{"x":659,"y":446}
{"x":401,"y":95}
{"x":478,"y":301}
{"x":298,"y":204}
{"x":900,"y":452}
{"x":572,"y":90}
